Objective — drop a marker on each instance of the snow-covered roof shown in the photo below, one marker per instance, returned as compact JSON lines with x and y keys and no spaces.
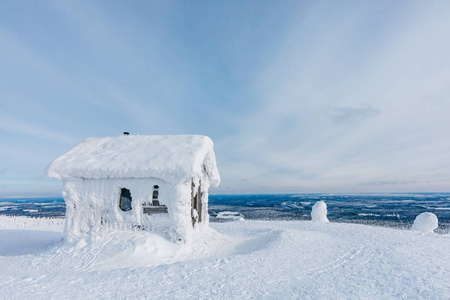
{"x":173,"y":158}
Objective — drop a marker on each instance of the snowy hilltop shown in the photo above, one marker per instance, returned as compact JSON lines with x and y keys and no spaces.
{"x":246,"y":260}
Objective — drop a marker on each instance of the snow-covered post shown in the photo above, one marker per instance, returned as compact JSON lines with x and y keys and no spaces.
{"x":425,"y":222}
{"x":319,"y":212}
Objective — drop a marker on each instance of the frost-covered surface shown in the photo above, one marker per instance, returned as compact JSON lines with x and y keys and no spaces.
{"x":172,"y":158}
{"x":51,"y":224}
{"x":246,"y":260}
{"x":93,"y":204}
{"x":319,"y":212}
{"x":425,"y":222}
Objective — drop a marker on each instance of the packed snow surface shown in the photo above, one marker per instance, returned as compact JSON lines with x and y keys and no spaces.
{"x":425,"y":222}
{"x":172,"y":158}
{"x":242,"y":260}
{"x":319,"y":212}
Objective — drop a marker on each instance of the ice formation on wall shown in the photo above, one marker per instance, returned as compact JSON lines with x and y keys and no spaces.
{"x":319,"y":212}
{"x":425,"y":222}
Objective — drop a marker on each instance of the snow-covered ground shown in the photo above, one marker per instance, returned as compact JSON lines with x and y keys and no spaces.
{"x":248,"y":259}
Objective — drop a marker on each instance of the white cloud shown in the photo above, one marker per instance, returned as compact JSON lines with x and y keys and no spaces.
{"x":349,"y":114}
{"x":323,"y":97}
{"x":392,"y":132}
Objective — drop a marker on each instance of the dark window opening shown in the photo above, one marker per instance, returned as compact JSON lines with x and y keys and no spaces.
{"x":125,"y":200}
{"x":196,"y":203}
{"x":155,"y":201}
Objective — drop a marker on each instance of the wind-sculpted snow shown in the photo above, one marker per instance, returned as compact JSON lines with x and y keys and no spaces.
{"x":319,"y":212}
{"x":173,"y":158}
{"x":425,"y":222}
{"x":243,"y":260}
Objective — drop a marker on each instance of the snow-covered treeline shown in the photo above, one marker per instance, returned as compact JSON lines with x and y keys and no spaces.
{"x":21,"y":222}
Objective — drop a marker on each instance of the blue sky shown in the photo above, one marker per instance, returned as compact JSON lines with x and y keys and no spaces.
{"x":298,"y":96}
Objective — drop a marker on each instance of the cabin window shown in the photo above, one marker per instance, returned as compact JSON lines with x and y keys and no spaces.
{"x":155,"y":200}
{"x":196,"y":203}
{"x":154,"y":207}
{"x":125,"y":200}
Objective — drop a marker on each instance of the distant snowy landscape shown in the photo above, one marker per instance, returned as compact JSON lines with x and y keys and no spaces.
{"x":240,"y":259}
{"x":382,"y":209}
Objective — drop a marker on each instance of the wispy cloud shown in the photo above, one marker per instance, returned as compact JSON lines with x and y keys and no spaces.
{"x":348,"y":114}
{"x":10,"y":125}
{"x":308,"y":89}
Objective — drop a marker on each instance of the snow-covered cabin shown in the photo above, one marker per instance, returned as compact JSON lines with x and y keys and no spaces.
{"x":155,"y":183}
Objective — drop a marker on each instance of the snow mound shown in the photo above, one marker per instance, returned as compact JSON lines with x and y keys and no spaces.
{"x":173,"y":158}
{"x":319,"y":212}
{"x":111,"y":249}
{"x":425,"y":222}
{"x":122,"y":249}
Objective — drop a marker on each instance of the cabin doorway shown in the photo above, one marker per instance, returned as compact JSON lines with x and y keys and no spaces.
{"x":196,"y":203}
